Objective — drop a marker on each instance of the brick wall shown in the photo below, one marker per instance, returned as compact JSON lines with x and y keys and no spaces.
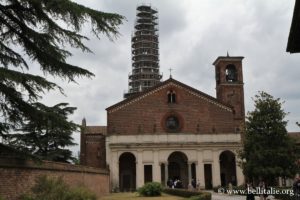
{"x":147,"y":115}
{"x":92,"y":150}
{"x":17,"y":176}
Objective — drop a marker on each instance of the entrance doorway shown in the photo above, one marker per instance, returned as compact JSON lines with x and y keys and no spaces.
{"x":208,"y":176}
{"x":127,"y":172}
{"x":147,"y":173}
{"x":227,"y":168}
{"x":178,"y":168}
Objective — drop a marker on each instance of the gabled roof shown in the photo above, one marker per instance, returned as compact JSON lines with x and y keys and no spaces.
{"x":293,"y":45}
{"x":162,"y":85}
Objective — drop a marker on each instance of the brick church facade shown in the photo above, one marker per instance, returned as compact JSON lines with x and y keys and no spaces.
{"x":171,"y":131}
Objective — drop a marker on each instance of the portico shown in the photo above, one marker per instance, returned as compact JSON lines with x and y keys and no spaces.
{"x":173,"y":156}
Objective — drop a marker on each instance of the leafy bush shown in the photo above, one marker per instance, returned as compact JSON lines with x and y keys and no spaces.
{"x":150,"y":189}
{"x":56,"y":189}
{"x":81,"y":194}
{"x":193,"y":195}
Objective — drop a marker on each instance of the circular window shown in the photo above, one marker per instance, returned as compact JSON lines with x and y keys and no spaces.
{"x":172,"y":124}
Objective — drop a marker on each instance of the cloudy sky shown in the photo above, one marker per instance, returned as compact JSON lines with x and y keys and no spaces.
{"x":192,"y":34}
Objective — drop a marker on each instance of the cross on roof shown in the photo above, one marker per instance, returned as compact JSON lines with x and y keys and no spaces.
{"x":170,"y":72}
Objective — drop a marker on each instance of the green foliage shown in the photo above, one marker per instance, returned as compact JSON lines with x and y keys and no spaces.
{"x":188,"y":194}
{"x":48,"y":136}
{"x":39,"y":31}
{"x":203,"y":196}
{"x":150,"y":189}
{"x":1,"y":198}
{"x":55,"y":189}
{"x":268,"y":151}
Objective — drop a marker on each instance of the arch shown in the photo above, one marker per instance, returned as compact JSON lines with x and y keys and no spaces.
{"x":231,"y":73}
{"x":178,"y":168}
{"x":127,"y":172}
{"x":171,"y":96}
{"x":228,"y":168}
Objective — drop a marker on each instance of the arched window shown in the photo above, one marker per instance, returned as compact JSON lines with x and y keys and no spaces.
{"x":171,"y":97}
{"x":231,"y":73}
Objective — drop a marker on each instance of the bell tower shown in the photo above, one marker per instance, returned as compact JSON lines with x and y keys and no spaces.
{"x":229,"y":83}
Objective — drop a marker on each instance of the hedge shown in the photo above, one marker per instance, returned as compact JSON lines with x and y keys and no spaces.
{"x":193,"y":195}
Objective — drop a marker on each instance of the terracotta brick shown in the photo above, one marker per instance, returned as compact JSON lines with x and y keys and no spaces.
{"x":18,"y":176}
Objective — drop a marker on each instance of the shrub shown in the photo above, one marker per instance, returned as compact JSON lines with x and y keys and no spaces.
{"x":56,"y":189}
{"x":81,"y":194}
{"x":150,"y":189}
{"x":193,"y":195}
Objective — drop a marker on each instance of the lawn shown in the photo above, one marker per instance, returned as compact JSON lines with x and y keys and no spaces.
{"x":134,"y":196}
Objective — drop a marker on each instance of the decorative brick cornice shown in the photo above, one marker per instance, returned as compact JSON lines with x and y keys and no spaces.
{"x":165,"y":84}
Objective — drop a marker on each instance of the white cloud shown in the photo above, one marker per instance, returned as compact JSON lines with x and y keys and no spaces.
{"x":192,"y":35}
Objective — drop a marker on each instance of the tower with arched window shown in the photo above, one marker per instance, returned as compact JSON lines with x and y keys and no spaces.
{"x":229,"y":83}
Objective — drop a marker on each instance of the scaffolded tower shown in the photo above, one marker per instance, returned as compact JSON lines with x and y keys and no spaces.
{"x":144,"y":44}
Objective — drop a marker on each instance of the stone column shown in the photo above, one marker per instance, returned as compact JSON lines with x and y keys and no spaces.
{"x":240,"y":178}
{"x":156,"y":168}
{"x":114,"y":171}
{"x":200,"y":170}
{"x":189,"y":173}
{"x":166,"y":173}
{"x":216,"y":169}
{"x":280,"y":181}
{"x":139,"y":170}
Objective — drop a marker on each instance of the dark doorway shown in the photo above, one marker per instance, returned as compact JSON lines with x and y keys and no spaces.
{"x":147,"y":173}
{"x":178,"y":168}
{"x":162,"y":173}
{"x":208,"y":176}
{"x":127,"y":172}
{"x":193,"y":170}
{"x":227,"y":168}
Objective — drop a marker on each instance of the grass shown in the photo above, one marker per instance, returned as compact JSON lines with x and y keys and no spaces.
{"x":134,"y":196}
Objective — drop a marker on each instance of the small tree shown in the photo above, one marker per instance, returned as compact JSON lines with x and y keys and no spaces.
{"x":268,"y":151}
{"x":47,"y":136}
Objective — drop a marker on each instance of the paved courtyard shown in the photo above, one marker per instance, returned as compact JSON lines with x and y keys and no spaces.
{"x":216,"y":196}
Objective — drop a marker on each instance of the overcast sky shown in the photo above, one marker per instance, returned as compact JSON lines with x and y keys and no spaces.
{"x":192,"y":34}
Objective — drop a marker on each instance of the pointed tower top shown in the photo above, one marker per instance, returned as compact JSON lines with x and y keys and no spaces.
{"x":227,"y":54}
{"x":83,"y":123}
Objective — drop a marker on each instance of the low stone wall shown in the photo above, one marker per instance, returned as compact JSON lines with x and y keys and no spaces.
{"x":17,"y":176}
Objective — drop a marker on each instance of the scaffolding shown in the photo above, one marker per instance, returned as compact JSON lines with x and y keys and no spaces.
{"x":144,"y":49}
